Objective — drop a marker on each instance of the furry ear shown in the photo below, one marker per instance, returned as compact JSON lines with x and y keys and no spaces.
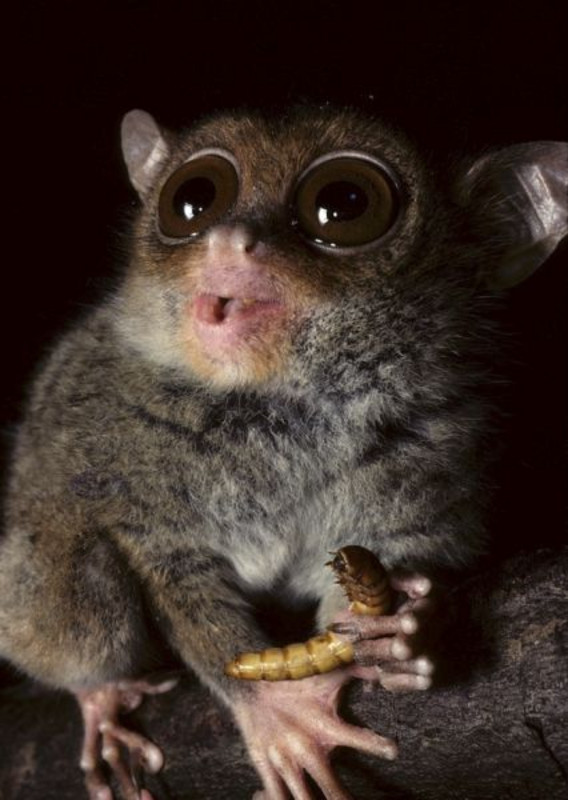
{"x":519,"y":196}
{"x":144,"y":149}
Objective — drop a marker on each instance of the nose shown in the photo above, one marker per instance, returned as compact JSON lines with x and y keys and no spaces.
{"x":234,"y":238}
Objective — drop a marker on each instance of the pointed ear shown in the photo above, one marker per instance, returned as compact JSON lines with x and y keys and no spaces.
{"x":144,"y":149}
{"x":519,"y":196}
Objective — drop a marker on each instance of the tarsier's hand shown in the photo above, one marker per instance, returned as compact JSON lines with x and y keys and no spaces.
{"x":393,"y":649}
{"x":291,"y":727}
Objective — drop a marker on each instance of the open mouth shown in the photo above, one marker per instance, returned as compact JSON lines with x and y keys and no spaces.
{"x":238,"y":315}
{"x":215,"y":310}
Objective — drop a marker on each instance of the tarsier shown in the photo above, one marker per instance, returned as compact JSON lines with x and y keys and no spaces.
{"x":293,"y":362}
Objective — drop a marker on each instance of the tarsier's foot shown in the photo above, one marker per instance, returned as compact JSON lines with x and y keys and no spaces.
{"x":127,"y":754}
{"x":390,"y":649}
{"x":291,"y":727}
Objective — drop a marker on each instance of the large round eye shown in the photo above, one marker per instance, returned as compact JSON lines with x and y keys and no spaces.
{"x":196,"y":195}
{"x":345,"y":201}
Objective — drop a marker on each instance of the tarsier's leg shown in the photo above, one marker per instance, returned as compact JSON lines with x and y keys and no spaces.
{"x":81,"y":629}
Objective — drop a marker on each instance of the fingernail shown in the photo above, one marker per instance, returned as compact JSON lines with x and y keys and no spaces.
{"x":423,"y":682}
{"x":153,"y":759}
{"x":400,"y":650}
{"x":110,"y":753}
{"x":166,"y":686}
{"x":391,"y":753}
{"x":424,"y":666}
{"x":409,"y":623}
{"x":423,"y":586}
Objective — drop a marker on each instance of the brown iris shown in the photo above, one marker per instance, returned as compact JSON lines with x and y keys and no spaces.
{"x":196,"y":195}
{"x":345,"y":201}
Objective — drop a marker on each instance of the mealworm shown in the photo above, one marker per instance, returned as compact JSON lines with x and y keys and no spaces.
{"x":320,"y":654}
{"x":363,"y":578}
{"x":365,"y":583}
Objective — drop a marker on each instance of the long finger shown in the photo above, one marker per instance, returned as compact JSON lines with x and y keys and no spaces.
{"x":414,"y":666}
{"x":97,"y":785}
{"x":373,"y":651}
{"x":319,"y":768}
{"x":404,"y":682}
{"x":113,"y":757}
{"x":341,"y":733}
{"x":430,"y":625}
{"x":420,"y":608}
{"x":290,"y":773}
{"x":355,"y":627}
{"x":152,"y":759}
{"x":159,"y":685}
{"x":272,"y":787}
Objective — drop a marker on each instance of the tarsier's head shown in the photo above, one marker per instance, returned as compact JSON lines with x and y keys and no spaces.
{"x":311,"y":248}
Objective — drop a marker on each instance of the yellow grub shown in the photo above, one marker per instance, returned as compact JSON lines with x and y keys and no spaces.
{"x":365,"y":582}
{"x":363,"y":609}
{"x":320,"y":654}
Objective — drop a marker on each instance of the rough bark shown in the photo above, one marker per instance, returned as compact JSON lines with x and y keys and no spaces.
{"x":496,"y":725}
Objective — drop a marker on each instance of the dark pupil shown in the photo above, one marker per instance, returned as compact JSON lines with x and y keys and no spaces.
{"x":340,"y":201}
{"x":194,"y":197}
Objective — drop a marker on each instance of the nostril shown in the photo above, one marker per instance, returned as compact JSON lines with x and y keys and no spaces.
{"x":236,"y":238}
{"x":243,"y":238}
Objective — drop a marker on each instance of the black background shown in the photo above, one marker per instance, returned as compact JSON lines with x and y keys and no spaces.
{"x":457,"y":77}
